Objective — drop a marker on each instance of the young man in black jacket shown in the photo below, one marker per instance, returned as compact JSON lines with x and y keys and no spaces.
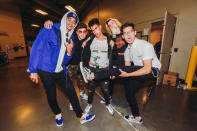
{"x":96,"y":57}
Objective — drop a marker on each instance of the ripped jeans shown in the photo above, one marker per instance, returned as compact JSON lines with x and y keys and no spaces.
{"x":104,"y":87}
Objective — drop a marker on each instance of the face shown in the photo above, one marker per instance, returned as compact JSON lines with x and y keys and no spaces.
{"x":129,"y":34}
{"x":112,"y":24}
{"x":70,"y":23}
{"x":82,"y":33}
{"x":96,"y":30}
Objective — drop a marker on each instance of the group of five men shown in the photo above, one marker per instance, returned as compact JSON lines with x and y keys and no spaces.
{"x":57,"y":47}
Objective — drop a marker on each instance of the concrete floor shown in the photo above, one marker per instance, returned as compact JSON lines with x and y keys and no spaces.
{"x":23,"y":107}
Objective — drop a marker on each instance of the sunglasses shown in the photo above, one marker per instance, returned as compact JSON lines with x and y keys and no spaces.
{"x":80,"y":32}
{"x":67,"y":40}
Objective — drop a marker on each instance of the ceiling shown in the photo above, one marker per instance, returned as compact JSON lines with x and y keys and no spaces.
{"x":54,"y":8}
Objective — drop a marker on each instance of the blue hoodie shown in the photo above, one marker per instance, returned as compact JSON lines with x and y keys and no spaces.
{"x":45,"y":51}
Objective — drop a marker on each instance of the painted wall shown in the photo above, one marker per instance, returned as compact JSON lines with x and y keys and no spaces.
{"x":11,"y":27}
{"x":145,"y":12}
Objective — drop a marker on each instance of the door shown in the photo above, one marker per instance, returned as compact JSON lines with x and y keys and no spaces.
{"x":167,"y":42}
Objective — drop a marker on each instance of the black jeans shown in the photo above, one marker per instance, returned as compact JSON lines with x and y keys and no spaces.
{"x":50,"y":80}
{"x":132,"y":84}
{"x":104,"y":87}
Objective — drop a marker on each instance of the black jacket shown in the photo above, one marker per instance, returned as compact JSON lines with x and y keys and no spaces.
{"x":76,"y":58}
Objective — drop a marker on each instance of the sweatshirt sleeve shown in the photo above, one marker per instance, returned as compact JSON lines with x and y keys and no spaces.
{"x":36,"y":50}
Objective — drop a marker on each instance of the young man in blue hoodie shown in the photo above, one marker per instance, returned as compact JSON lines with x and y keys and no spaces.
{"x":51,"y":51}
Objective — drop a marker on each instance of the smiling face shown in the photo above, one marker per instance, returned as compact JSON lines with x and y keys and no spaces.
{"x":70,"y":23}
{"x":96,"y":30}
{"x":82,"y":33}
{"x":129,"y":34}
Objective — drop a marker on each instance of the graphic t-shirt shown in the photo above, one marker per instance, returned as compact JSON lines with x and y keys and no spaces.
{"x":99,"y":53}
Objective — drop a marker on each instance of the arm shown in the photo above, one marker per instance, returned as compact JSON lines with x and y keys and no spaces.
{"x":36,"y":50}
{"x":35,"y":55}
{"x":143,"y":71}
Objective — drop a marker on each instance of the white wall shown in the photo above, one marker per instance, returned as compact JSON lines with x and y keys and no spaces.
{"x":144,"y":12}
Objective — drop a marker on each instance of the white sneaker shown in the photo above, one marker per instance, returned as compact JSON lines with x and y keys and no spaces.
{"x":87,"y":109}
{"x":85,"y":73}
{"x":102,"y":101}
{"x":70,"y":107}
{"x":131,"y":118}
{"x":83,"y":96}
{"x":110,"y":109}
{"x":128,"y":117}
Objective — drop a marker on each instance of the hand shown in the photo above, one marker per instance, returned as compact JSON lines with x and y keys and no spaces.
{"x":34,"y":77}
{"x":111,"y":43}
{"x":48,"y":24}
{"x":69,"y":47}
{"x":123,"y":73}
{"x":112,"y":77}
{"x":85,"y":42}
{"x":92,"y":76}
{"x":115,"y":30}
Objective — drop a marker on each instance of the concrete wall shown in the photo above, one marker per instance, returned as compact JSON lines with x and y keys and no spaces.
{"x":145,"y":12}
{"x":11,"y":26}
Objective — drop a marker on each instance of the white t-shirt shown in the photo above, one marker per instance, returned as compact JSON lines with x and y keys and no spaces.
{"x":139,"y":51}
{"x":99,"y":53}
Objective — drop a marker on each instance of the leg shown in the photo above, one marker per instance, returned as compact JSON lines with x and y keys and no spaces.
{"x":130,"y":88}
{"x":50,"y":88}
{"x":111,"y":87}
{"x":91,"y":90}
{"x":105,"y":90}
{"x":66,"y":84}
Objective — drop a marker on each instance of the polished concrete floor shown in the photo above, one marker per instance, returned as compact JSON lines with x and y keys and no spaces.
{"x":23,"y":107}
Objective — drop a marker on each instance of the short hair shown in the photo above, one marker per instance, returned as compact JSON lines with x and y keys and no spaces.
{"x":107,"y":27}
{"x":81,"y":25}
{"x":128,"y":24}
{"x":93,"y":21}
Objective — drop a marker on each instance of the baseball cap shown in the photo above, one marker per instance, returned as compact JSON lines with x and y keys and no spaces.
{"x":74,"y":15}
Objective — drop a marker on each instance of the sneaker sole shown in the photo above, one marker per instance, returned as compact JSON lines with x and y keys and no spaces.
{"x":88,"y":120}
{"x":59,"y":125}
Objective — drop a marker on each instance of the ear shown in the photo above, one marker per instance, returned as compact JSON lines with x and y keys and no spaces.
{"x":135,"y":32}
{"x":100,"y":26}
{"x":122,"y":36}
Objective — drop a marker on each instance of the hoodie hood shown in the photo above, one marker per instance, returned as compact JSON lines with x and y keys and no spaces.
{"x":63,"y":26}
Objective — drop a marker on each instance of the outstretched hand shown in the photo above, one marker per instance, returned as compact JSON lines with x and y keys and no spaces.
{"x":123,"y":73}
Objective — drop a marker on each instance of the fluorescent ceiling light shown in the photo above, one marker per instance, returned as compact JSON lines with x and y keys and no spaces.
{"x":34,"y":25}
{"x":41,"y":12}
{"x":70,"y":8}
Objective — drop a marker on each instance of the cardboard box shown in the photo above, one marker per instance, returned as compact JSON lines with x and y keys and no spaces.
{"x":170,"y":78}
